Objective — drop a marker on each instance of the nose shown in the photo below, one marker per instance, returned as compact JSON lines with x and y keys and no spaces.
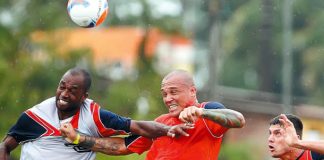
{"x":65,"y":93}
{"x":270,"y":138}
{"x":168,"y":98}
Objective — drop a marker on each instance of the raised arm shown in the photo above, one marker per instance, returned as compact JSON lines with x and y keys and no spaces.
{"x":6,"y":146}
{"x":292,"y":139}
{"x":225,"y":117}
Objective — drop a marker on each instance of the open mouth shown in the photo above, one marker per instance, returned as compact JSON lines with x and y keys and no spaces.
{"x":62,"y":102}
{"x":271,"y":148}
{"x":172,"y":107}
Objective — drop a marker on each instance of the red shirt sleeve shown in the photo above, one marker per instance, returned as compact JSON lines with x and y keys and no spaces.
{"x":215,"y":129}
{"x":138,"y":144}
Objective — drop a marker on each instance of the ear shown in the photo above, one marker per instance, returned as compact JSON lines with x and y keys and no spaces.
{"x":85,"y":96}
{"x":193,"y":91}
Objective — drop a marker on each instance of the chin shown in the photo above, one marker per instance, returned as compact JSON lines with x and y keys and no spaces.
{"x":60,"y":108}
{"x":274,"y":155}
{"x":174,"y":114}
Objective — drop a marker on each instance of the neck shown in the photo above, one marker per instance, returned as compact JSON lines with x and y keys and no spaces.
{"x":194,"y":103}
{"x":66,"y":114}
{"x":292,"y":155}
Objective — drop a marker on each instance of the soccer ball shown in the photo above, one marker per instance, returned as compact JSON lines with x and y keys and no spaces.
{"x":87,"y":13}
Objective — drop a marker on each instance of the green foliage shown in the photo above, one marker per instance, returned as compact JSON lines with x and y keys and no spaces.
{"x":126,"y":157}
{"x":242,"y":52}
{"x":238,"y":151}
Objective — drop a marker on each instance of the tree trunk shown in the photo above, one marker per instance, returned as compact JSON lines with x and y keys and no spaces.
{"x":266,"y":55}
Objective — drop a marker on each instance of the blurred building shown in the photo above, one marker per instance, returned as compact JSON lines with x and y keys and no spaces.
{"x":115,"y":50}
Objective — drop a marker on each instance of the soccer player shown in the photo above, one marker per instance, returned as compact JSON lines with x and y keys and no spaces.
{"x":285,"y":140}
{"x":211,"y":120}
{"x":37,"y":128}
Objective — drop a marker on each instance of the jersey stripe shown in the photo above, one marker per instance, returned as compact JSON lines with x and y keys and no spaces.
{"x":50,"y":130}
{"x":102,"y":130}
{"x":75,"y":120}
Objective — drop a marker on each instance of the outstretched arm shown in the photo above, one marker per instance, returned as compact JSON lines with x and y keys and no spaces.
{"x":6,"y":146}
{"x":115,"y":146}
{"x":292,"y":139}
{"x":153,"y":129}
{"x":225,"y":117}
{"x":110,"y":146}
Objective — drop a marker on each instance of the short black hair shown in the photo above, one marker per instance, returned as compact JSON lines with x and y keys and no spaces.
{"x":86,"y":75}
{"x":298,"y":124}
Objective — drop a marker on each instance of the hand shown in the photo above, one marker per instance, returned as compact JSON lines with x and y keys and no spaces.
{"x":68,"y":132}
{"x":179,"y":130}
{"x":291,"y":136}
{"x":190,"y":114}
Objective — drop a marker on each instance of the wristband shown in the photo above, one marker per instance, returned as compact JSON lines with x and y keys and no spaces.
{"x":76,"y":141}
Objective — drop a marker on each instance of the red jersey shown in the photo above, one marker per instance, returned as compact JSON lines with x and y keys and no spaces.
{"x":203,"y":143}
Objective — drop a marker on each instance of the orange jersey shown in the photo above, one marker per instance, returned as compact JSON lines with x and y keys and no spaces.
{"x":203,"y":143}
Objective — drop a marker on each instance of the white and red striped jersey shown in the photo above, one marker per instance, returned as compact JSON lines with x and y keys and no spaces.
{"x":37,"y":130}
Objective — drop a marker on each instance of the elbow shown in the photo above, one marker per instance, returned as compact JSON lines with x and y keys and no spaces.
{"x":237,"y":120}
{"x":241,"y":120}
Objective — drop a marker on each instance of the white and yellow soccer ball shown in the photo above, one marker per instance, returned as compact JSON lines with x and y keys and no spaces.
{"x":88,"y":13}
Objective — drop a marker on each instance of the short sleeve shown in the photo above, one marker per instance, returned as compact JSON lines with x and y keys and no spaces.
{"x":138,"y":144}
{"x":317,"y":156}
{"x":26,"y":129}
{"x":214,"y":128}
{"x":214,"y":105}
{"x":109,"y":123}
{"x":112,"y":120}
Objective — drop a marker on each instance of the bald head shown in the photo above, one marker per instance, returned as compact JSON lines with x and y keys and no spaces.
{"x":179,"y":76}
{"x":85,"y":74}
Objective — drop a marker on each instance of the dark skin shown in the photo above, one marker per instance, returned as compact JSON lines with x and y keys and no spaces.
{"x":8,"y":144}
{"x":70,"y":95}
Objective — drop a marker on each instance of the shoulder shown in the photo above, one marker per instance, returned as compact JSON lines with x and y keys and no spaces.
{"x":44,"y":107}
{"x":27,"y":127}
{"x":162,"y":118}
{"x":316,"y":156}
{"x":212,"y":105}
{"x":46,"y":102}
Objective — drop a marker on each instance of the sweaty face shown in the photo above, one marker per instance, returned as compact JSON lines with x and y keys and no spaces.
{"x":276,"y":142}
{"x":70,"y":93}
{"x":177,"y":95}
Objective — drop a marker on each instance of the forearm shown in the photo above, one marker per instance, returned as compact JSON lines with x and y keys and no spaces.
{"x":149,"y":129}
{"x":8,"y":144}
{"x":4,"y":154}
{"x":109,"y":146}
{"x":316,"y":146}
{"x":225,"y":117}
